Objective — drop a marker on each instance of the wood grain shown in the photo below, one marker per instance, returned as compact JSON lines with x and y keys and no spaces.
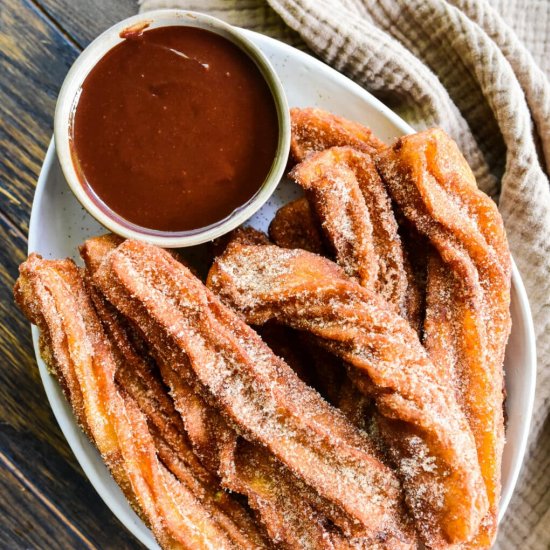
{"x":34,"y":59}
{"x":49,"y":505}
{"x":46,"y":501}
{"x":82,"y":21}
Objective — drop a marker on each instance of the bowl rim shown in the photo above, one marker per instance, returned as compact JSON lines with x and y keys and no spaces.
{"x":67,"y":100}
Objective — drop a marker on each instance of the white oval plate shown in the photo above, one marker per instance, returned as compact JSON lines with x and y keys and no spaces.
{"x":59,"y":224}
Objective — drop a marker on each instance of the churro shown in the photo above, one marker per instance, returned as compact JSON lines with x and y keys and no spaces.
{"x":254,"y":389}
{"x":315,"y":130}
{"x":425,"y":432}
{"x":53,"y":295}
{"x":435,"y":188}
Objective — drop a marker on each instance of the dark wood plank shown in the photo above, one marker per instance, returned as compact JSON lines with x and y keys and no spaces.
{"x":26,"y":105}
{"x":31,"y":533}
{"x":83,"y":20}
{"x":19,"y":381}
{"x":34,"y":59}
{"x":48,"y":505}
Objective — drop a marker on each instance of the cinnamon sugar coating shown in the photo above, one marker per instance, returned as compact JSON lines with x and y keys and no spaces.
{"x":242,"y":234}
{"x":255,"y":391}
{"x":137,"y":375}
{"x":354,"y":210}
{"x":425,"y":431}
{"x":53,"y":295}
{"x":468,"y":288}
{"x":315,"y":130}
{"x":292,"y":514}
{"x":295,"y":226}
{"x":333,"y":192}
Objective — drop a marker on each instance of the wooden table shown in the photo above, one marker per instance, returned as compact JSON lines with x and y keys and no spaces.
{"x":45,"y":499}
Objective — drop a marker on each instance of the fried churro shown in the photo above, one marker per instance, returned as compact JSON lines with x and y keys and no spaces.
{"x":293,"y":515}
{"x":426,"y":433}
{"x":352,"y":204}
{"x":434,"y":187}
{"x":53,"y":295}
{"x":315,"y":130}
{"x":254,"y":389}
{"x":138,"y":377}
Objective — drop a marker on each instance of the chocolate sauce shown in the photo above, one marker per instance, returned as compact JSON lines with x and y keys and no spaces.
{"x":174,"y":129}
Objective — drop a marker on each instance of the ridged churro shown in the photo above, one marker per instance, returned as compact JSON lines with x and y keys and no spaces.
{"x":355,"y":214}
{"x":53,"y":295}
{"x":425,"y":431}
{"x":315,"y":130}
{"x":254,"y":389}
{"x":292,"y":515}
{"x":435,"y":188}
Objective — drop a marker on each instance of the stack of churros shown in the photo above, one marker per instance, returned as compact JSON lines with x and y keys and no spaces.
{"x":336,"y":385}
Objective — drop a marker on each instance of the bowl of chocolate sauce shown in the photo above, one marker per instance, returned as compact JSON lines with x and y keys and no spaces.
{"x":172,"y":127}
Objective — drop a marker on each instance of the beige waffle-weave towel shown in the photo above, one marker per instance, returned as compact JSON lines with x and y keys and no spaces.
{"x":480,"y":70}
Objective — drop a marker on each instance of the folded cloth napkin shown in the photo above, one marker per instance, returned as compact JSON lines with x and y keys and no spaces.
{"x":478,"y":69}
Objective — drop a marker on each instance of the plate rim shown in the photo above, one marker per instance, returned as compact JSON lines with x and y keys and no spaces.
{"x":78,"y":442}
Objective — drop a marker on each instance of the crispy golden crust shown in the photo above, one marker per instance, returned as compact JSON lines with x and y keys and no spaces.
{"x":289,"y":510}
{"x":433,"y":185}
{"x":295,"y":226}
{"x":54,"y":296}
{"x":439,"y":325}
{"x":288,"y":507}
{"x":255,"y":390}
{"x":352,"y":204}
{"x":315,"y":130}
{"x":426,"y":433}
{"x":334,"y":194}
{"x":93,"y":250}
{"x":246,"y":234}
{"x":34,"y":300}
{"x":138,"y":378}
{"x":292,"y":514}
